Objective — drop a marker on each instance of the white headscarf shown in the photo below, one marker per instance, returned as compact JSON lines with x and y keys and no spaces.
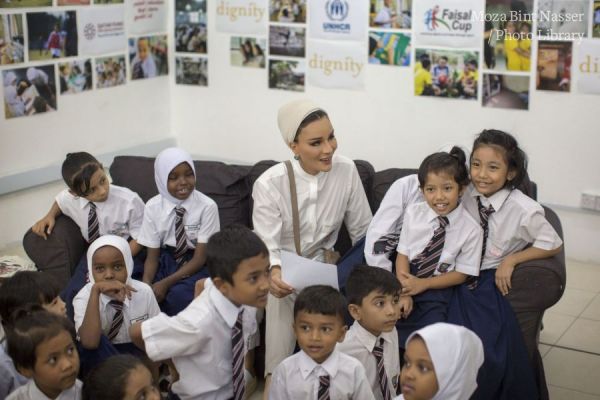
{"x":10,"y":78}
{"x":164,"y":164}
{"x":457,"y":354}
{"x":291,"y":115}
{"x":117,"y":242}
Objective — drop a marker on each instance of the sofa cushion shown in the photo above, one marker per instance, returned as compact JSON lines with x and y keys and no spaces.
{"x":382,"y":182}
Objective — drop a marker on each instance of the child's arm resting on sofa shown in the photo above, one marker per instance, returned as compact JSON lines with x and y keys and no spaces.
{"x":45,"y":225}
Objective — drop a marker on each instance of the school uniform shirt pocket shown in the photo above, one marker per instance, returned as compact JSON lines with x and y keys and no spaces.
{"x":191,"y":232}
{"x":497,"y":248}
{"x":138,"y":319}
{"x":119,"y":229}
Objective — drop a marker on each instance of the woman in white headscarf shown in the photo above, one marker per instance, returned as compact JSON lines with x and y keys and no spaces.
{"x":14,"y":102}
{"x":329,"y":193}
{"x":441,"y":363}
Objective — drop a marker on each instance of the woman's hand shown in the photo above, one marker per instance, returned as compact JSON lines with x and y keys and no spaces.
{"x":277,"y":286}
{"x":411,"y":285}
{"x":504,"y":275}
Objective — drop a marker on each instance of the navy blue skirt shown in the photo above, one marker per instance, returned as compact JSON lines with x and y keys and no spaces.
{"x":506,"y":371}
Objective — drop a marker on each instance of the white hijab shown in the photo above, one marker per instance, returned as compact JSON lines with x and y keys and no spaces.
{"x":457,"y":354}
{"x":117,"y":242}
{"x":291,"y":115}
{"x":164,"y":164}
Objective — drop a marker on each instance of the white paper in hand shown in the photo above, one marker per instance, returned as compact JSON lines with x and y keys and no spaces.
{"x":300,"y":272}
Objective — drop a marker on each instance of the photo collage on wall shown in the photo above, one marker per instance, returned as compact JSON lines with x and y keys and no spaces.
{"x":390,"y":23}
{"x":77,"y":46}
{"x":191,"y":42}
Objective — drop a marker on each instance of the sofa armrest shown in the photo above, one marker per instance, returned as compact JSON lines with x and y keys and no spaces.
{"x":60,"y":253}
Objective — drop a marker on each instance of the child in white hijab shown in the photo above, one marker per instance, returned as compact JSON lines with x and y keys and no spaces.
{"x":441,"y":363}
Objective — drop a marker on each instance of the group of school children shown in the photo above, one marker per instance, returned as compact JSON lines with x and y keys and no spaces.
{"x":439,"y":254}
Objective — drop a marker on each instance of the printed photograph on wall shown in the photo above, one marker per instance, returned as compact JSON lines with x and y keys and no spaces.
{"x":110,"y":71}
{"x":596,"y":21}
{"x":446,"y":73}
{"x":248,"y":52}
{"x":29,"y":91}
{"x":191,"y":33}
{"x":287,"y":11}
{"x":287,"y":75}
{"x":12,"y":48}
{"x":75,"y":76}
{"x":108,"y":1}
{"x":148,"y":57}
{"x":52,"y":35}
{"x":505,"y":91}
{"x":73,"y":2}
{"x":554,"y":66}
{"x":390,"y":14}
{"x":507,"y":35}
{"x":25,"y":3}
{"x":191,"y":71}
{"x":563,"y":19}
{"x":287,"y":41}
{"x":387,"y":48}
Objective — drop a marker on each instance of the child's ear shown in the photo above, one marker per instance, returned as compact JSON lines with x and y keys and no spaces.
{"x":354,"y":311}
{"x":462,"y":191}
{"x":343,"y":334}
{"x":26,"y":372}
{"x":511,"y":175}
{"x":222,"y":286}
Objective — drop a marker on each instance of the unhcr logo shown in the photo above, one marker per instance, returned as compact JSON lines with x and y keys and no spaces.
{"x":337,"y":11}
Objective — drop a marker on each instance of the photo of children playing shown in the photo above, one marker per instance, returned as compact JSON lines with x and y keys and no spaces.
{"x":12,"y":50}
{"x":110,"y":71}
{"x":566,"y":16}
{"x":390,"y":14}
{"x":25,"y":3}
{"x":444,"y":73}
{"x":505,"y":91}
{"x":288,"y":11}
{"x":287,"y":75}
{"x":554,"y":66}
{"x":287,"y":41}
{"x":191,"y":71}
{"x":73,"y":2}
{"x":596,"y":20}
{"x":52,"y":35}
{"x":387,"y":48}
{"x":248,"y":52}
{"x":148,"y":57}
{"x":29,"y":91}
{"x":75,"y":76}
{"x":190,"y":26}
{"x":507,"y":39}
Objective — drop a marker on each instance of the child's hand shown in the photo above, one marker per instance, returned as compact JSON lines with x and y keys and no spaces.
{"x":504,"y":274}
{"x":44,"y":226}
{"x":199,"y":287}
{"x":115,"y":290}
{"x":160,"y":289}
{"x":406,"y":305}
{"x":411,"y":285}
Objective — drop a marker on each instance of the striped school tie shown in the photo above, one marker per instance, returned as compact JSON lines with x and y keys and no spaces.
{"x":180,"y":237}
{"x":383,"y":380}
{"x":237,"y":349}
{"x":93,"y":224}
{"x":484,"y":216}
{"x":427,"y":261}
{"x":323,"y":393}
{"x":117,"y":321}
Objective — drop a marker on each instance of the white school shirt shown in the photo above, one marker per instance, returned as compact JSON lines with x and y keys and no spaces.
{"x":389,"y":217}
{"x":359,"y":343}
{"x":325,"y":201}
{"x":121,"y":214}
{"x":297,"y":377}
{"x":198,"y":340}
{"x":140,"y":307}
{"x":517,"y":221}
{"x":462,"y":243}
{"x":30,"y":391}
{"x":201,"y":220}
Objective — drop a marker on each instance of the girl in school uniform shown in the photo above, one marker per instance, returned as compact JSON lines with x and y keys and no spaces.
{"x":511,"y":222}
{"x":440,"y":363}
{"x":98,"y":208}
{"x":110,"y":303}
{"x":439,"y":246}
{"x":177,"y":224}
{"x":329,"y":193}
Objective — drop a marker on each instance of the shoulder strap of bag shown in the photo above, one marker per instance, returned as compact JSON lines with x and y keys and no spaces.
{"x":294,"y":196}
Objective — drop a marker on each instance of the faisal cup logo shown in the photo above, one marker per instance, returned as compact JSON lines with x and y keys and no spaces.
{"x":337,"y":10}
{"x":432,"y":20}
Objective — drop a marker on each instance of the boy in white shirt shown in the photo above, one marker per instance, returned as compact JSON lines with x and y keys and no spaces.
{"x":319,"y":371}
{"x":207,"y":341}
{"x":374,"y":303}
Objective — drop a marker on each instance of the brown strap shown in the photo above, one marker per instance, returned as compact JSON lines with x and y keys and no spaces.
{"x":295,"y":215}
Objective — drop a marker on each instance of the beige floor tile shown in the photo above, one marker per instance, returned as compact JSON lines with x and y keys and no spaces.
{"x":555,"y":325}
{"x":583,"y":276}
{"x":573,"y":302}
{"x":593,"y":310}
{"x":573,"y":370}
{"x":583,"y":334}
{"x":558,"y":393}
{"x":544,"y":349}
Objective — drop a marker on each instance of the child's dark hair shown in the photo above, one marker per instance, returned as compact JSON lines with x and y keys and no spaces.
{"x":320,"y":299}
{"x":30,"y":326}
{"x":77,"y":171}
{"x":227,"y":248}
{"x":515,"y":158}
{"x":27,"y":287}
{"x":312,"y":117}
{"x":364,"y":280}
{"x":452,"y":163}
{"x":107,"y":381}
{"x":426,"y":63}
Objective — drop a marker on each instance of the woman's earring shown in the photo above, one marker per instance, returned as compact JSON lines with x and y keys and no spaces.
{"x":296,"y":157}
